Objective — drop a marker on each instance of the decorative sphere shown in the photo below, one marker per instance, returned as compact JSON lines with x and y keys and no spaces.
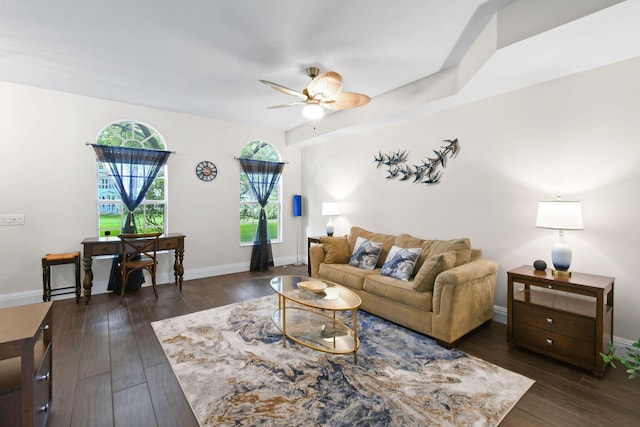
{"x":539,"y":265}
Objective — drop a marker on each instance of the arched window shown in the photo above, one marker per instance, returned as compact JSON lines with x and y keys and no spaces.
{"x":152,"y":212}
{"x":249,"y":207}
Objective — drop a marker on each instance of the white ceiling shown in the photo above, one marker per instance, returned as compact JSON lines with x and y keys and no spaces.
{"x":206,"y":57}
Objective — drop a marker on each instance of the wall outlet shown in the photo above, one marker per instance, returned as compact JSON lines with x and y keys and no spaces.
{"x":17,"y":219}
{"x":12,"y":219}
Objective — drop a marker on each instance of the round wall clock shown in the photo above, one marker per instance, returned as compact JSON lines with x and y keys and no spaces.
{"x":206,"y":171}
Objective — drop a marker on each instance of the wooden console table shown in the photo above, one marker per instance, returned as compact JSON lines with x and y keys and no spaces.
{"x":99,"y":246}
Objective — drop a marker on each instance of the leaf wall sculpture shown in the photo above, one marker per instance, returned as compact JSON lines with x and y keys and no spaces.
{"x":426,"y":173}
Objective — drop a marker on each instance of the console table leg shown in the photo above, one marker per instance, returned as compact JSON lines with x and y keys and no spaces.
{"x":87,"y":283}
{"x":178,"y":268}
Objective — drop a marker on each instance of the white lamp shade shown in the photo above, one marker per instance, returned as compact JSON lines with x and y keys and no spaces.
{"x":560,"y":215}
{"x":330,"y":208}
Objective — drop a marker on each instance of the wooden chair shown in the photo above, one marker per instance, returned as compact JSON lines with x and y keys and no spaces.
{"x":139,"y":252}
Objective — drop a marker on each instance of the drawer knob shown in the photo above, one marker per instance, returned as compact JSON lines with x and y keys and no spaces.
{"x":550,"y":287}
{"x":45,"y":326}
{"x":550,"y":320}
{"x":549,"y":341}
{"x":45,"y":408}
{"x":45,"y":377}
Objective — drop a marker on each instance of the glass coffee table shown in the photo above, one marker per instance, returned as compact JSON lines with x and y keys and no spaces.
{"x":307,"y":310}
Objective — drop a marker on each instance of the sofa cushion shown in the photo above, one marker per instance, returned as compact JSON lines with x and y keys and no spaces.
{"x":426,"y":276}
{"x":462,"y":248}
{"x":344,"y":274}
{"x":398,"y":290}
{"x":400,"y":262}
{"x":365,"y":254}
{"x":336,"y":250}
{"x":387,"y":241}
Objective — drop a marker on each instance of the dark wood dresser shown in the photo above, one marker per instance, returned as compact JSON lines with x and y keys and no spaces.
{"x":25,"y":365}
{"x":569,"y":318}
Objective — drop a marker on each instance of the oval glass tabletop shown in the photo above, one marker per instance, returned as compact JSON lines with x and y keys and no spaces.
{"x":315,"y":293}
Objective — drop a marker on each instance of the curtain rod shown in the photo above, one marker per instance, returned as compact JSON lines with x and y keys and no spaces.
{"x":238,"y":158}
{"x":88,"y":143}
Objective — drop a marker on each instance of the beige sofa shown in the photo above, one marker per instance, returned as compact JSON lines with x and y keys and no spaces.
{"x":450,"y":292}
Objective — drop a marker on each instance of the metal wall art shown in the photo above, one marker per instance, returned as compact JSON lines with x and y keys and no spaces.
{"x":425,"y":173}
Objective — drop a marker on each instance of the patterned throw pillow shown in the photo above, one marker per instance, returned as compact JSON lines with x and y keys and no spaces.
{"x":400,"y":262}
{"x":365,"y":254}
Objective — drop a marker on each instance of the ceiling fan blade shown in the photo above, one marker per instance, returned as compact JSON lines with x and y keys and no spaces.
{"x":283,"y":89}
{"x":347,"y":100}
{"x":328,"y":85}
{"x":289,"y":104}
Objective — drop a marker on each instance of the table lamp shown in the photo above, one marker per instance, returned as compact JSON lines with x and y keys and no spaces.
{"x":560,"y":215}
{"x":330,"y":209}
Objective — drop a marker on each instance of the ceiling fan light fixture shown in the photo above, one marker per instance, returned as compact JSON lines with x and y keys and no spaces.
{"x":313,"y":111}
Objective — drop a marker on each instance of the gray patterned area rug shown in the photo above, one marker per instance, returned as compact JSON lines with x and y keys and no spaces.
{"x":234,"y":371}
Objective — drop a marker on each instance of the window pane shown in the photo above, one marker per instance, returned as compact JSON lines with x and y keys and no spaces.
{"x":110,"y":218}
{"x":152,"y":218}
{"x":273,"y":217}
{"x":156,"y":191}
{"x":249,"y":215}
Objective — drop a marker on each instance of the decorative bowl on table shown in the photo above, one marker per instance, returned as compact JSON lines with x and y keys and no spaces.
{"x":313,"y":286}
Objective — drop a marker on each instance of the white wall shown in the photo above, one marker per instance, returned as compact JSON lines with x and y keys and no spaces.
{"x":48,"y":173}
{"x":578,"y":137}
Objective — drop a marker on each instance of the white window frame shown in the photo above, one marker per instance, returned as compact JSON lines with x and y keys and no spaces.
{"x":113,"y":198}
{"x":253,"y":202}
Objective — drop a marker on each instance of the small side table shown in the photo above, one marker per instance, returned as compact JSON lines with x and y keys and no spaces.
{"x":567,"y":318}
{"x":310,"y":240}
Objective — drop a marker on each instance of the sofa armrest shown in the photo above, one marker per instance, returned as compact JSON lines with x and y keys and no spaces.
{"x":463,"y":298}
{"x":471,"y":283}
{"x":316,"y":257}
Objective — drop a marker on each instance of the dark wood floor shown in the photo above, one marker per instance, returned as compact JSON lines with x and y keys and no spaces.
{"x":109,"y":369}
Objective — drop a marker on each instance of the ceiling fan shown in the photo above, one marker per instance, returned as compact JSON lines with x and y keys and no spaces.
{"x":324,"y":90}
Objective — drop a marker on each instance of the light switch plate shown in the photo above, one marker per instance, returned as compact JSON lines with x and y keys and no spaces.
{"x":12,"y":219}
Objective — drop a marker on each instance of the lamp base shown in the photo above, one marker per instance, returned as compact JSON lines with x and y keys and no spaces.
{"x":329,"y":228}
{"x":561,"y":273}
{"x":561,"y":258}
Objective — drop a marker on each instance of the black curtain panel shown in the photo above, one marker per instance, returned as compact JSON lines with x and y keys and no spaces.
{"x":133,"y":170}
{"x":263,"y":177}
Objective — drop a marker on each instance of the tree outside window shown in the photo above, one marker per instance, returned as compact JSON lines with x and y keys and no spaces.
{"x":249,"y":206}
{"x":150,"y":215}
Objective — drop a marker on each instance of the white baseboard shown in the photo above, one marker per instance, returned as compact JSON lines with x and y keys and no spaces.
{"x":500,"y":314}
{"x":100,"y":286}
{"x":22,"y":298}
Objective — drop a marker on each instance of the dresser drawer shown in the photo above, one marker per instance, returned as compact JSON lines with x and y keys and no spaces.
{"x":548,"y":319}
{"x":106,"y":248}
{"x":42,"y":389}
{"x":10,"y":377}
{"x":167,"y":243}
{"x":553,"y":343}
